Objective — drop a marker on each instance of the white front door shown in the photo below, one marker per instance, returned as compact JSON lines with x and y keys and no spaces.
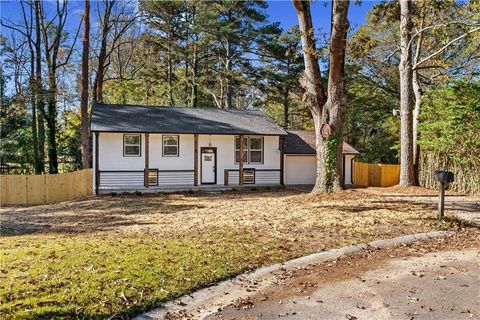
{"x":208,"y":165}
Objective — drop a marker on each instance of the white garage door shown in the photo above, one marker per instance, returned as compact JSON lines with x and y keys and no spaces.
{"x":300,"y":169}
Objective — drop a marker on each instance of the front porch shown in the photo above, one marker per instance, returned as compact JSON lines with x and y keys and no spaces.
{"x":186,"y":188}
{"x":198,"y":162}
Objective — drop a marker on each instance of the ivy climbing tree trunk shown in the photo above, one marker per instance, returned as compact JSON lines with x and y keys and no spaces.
{"x":328,"y":109}
{"x":406,"y":93}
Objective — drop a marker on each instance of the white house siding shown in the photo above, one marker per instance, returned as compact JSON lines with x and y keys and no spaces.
{"x":111,"y":158}
{"x":184,"y":161}
{"x":110,"y":149}
{"x":301,"y":169}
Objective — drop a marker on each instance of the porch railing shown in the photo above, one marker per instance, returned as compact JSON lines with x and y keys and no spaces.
{"x":252,"y":176}
{"x":137,"y":178}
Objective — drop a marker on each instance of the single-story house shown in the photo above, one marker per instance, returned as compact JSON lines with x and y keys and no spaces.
{"x":153,"y":148}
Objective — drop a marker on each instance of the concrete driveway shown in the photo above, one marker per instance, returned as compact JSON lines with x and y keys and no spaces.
{"x":433,"y":280}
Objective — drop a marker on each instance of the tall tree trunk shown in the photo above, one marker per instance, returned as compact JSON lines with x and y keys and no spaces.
{"x":285,"y":108}
{"x":417,"y":91}
{"x":52,"y":122}
{"x":102,"y":56}
{"x":39,"y":92}
{"x":405,"y":69}
{"x":84,"y":131}
{"x":286,"y":101}
{"x":228,"y":85}
{"x":328,"y":112}
{"x":194,"y":96}
{"x":170,"y":69}
{"x":186,"y":88}
{"x":33,"y":102}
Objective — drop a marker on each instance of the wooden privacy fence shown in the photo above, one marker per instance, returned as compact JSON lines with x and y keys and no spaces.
{"x":375,"y":175}
{"x":45,"y":188}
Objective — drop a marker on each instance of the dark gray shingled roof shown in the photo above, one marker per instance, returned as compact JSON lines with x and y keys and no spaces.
{"x":303,"y":142}
{"x":130,"y":118}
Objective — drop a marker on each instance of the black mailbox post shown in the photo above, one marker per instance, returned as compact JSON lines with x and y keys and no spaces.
{"x":444,"y":178}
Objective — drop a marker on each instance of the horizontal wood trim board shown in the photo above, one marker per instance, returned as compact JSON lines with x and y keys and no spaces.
{"x":141,"y":171}
{"x":258,"y":170}
{"x":121,"y":171}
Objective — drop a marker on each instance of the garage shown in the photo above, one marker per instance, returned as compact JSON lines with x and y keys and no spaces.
{"x":300,"y":159}
{"x":300,"y":169}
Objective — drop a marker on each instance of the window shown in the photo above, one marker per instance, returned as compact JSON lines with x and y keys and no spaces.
{"x":131,"y":145}
{"x":252,"y":151}
{"x":255,"y":149}
{"x":170,"y":146}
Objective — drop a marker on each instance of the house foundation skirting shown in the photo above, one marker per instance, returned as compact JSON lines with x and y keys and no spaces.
{"x":186,"y":188}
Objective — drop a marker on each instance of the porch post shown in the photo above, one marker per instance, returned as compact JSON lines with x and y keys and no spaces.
{"x":282,"y":159}
{"x":97,"y":171}
{"x":195,"y":159}
{"x":240,"y":161}
{"x":145,"y":179}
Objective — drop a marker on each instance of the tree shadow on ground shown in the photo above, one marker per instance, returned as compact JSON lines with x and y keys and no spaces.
{"x":88,"y":216}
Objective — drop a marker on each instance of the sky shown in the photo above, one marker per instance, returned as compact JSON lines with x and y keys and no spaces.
{"x":281,"y":11}
{"x":284,"y":12}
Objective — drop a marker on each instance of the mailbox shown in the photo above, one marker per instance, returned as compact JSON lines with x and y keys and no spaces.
{"x":444,"y":176}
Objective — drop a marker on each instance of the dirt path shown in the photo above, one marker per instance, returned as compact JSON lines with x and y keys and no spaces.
{"x":436,"y":279}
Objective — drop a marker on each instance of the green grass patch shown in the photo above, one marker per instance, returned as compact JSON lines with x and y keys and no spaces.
{"x":97,"y":276}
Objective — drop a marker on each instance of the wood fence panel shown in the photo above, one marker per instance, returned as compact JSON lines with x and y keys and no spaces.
{"x":375,"y":175}
{"x":3,"y":190}
{"x":51,"y":188}
{"x":17,"y":186}
{"x":35,"y":189}
{"x":390,"y":175}
{"x":47,"y":188}
{"x":360,"y":174}
{"x":87,"y":184}
{"x":70,"y":181}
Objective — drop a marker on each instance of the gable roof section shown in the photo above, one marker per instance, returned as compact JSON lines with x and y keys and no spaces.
{"x":133,"y":118}
{"x":303,"y":142}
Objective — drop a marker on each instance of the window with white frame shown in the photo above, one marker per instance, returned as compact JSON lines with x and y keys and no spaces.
{"x":132,"y":145}
{"x":170,"y":146}
{"x":252,"y":149}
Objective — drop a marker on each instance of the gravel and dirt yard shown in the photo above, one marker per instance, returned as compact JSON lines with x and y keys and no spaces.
{"x":119,"y":256}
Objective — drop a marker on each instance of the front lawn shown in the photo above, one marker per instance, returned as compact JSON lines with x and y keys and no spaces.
{"x":123,"y":255}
